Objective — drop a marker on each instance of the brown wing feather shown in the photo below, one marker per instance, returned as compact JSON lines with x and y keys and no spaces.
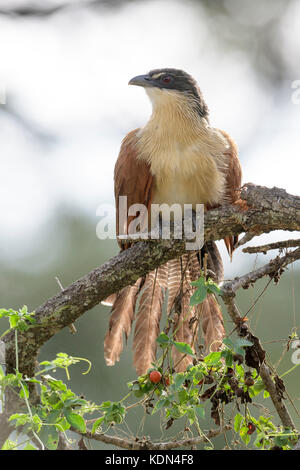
{"x":233,"y":181}
{"x":132,"y":179}
{"x":233,"y":184}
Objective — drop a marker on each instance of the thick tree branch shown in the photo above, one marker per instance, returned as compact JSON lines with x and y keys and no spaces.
{"x":268,"y":209}
{"x":276,"y":397}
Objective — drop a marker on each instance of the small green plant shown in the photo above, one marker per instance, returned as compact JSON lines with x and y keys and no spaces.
{"x":20,"y":320}
{"x":208,"y":385}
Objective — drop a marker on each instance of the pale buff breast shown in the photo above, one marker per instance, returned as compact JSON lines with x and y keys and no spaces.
{"x":187,"y":176}
{"x":185,"y":154}
{"x":186,"y":172}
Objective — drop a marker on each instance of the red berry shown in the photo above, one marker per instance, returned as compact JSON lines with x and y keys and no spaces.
{"x":155,"y":376}
{"x":251,"y":428}
{"x":167,"y":381}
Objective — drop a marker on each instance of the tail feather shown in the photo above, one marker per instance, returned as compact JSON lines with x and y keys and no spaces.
{"x":186,"y":321}
{"x":214,"y":261}
{"x":230,"y":243}
{"x":120,"y":322}
{"x":174,"y":283}
{"x":148,"y":318}
{"x":110,"y":300}
{"x":174,"y":277}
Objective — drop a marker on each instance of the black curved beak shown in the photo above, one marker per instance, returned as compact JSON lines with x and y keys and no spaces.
{"x":141,"y":80}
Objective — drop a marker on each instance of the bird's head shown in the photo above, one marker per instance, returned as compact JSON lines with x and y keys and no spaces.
{"x":165,"y":85}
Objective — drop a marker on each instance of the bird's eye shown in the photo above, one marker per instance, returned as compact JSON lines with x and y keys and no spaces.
{"x":167,"y":79}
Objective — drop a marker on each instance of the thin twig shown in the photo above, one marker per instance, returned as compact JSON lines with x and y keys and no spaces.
{"x":272,"y":246}
{"x":272,"y":269}
{"x":146,"y":444}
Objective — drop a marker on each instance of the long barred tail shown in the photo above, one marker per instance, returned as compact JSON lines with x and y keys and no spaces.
{"x":120,"y":323}
{"x":174,"y":281}
{"x":206,"y":316}
{"x":148,"y":319}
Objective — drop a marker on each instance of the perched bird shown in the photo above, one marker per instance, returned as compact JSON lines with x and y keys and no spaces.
{"x":177,"y":157}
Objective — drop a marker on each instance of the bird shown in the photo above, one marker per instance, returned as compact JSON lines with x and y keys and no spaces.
{"x":177,"y":157}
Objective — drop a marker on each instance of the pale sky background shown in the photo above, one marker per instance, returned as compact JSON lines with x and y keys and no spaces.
{"x":67,"y":75}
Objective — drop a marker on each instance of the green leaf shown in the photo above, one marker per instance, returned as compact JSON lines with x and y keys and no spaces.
{"x":200,"y":411}
{"x":106,"y":405}
{"x":24,"y":309}
{"x":229,"y":343}
{"x":21,"y":418}
{"x":239,"y":371}
{"x":29,"y":447}
{"x":244,"y":435}
{"x":13,"y":320}
{"x":183,"y":396}
{"x":24,"y":389}
{"x":49,"y":437}
{"x":198,"y":375}
{"x":243,"y":342}
{"x":227,"y":354}
{"x":281,"y":440}
{"x":238,"y":419}
{"x":175,"y":412}
{"x":191,"y":415}
{"x":97,"y":424}
{"x":199,"y":282}
{"x":75,"y":420}
{"x":8,"y":445}
{"x":160,"y":404}
{"x":237,"y":345}
{"x":213,"y":358}
{"x":259,"y":441}
{"x":256,"y":388}
{"x":179,"y":379}
{"x":54,"y":416}
{"x":184,"y":348}
{"x":213,"y":288}
{"x":198,"y":296}
{"x":55,"y":384}
{"x":163,"y":340}
{"x":75,"y":402}
{"x":203,"y":288}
